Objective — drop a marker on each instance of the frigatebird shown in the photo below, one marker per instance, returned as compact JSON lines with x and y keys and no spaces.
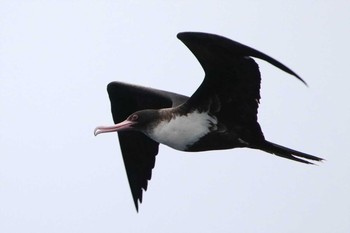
{"x":221,"y":114}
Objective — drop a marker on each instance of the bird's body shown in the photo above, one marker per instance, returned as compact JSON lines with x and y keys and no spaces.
{"x":183,"y":131}
{"x":221,"y":114}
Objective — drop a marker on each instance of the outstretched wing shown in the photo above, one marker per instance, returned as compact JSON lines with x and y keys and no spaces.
{"x":230,"y":90}
{"x":231,"y":87}
{"x":211,"y":49}
{"x":138,"y":150}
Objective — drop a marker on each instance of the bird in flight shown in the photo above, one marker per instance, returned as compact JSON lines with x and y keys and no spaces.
{"x":221,"y":114}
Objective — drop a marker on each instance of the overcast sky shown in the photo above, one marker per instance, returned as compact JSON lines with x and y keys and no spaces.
{"x":56,"y":58}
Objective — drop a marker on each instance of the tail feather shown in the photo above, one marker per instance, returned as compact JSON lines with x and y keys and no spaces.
{"x":288,"y":153}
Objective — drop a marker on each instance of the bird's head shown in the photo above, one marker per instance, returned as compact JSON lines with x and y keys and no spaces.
{"x":140,"y":121}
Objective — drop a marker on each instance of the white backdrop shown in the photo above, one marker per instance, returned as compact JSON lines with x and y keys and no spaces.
{"x":56,"y":58}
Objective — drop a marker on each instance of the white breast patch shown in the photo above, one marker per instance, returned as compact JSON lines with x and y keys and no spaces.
{"x":183,"y":131}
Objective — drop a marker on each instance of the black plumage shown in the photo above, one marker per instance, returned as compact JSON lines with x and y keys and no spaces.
{"x":225,"y":104}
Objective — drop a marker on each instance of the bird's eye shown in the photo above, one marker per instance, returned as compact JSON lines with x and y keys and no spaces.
{"x":134,"y":117}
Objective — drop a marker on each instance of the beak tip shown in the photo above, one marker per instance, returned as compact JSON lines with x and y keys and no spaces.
{"x":96,"y":132}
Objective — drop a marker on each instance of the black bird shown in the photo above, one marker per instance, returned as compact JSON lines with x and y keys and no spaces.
{"x":221,"y":114}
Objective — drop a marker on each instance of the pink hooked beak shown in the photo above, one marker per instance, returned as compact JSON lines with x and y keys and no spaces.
{"x":124,"y":125}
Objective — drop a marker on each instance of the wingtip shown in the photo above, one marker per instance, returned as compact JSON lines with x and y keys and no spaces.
{"x":298,"y":77}
{"x":136,"y":205}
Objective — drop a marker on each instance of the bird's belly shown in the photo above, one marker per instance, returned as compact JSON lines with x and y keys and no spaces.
{"x":183,"y":131}
{"x":218,"y":141}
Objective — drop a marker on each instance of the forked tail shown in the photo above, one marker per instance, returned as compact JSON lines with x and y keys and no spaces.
{"x":287,"y":153}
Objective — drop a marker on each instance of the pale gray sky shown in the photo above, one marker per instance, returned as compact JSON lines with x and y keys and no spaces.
{"x":56,"y":58}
